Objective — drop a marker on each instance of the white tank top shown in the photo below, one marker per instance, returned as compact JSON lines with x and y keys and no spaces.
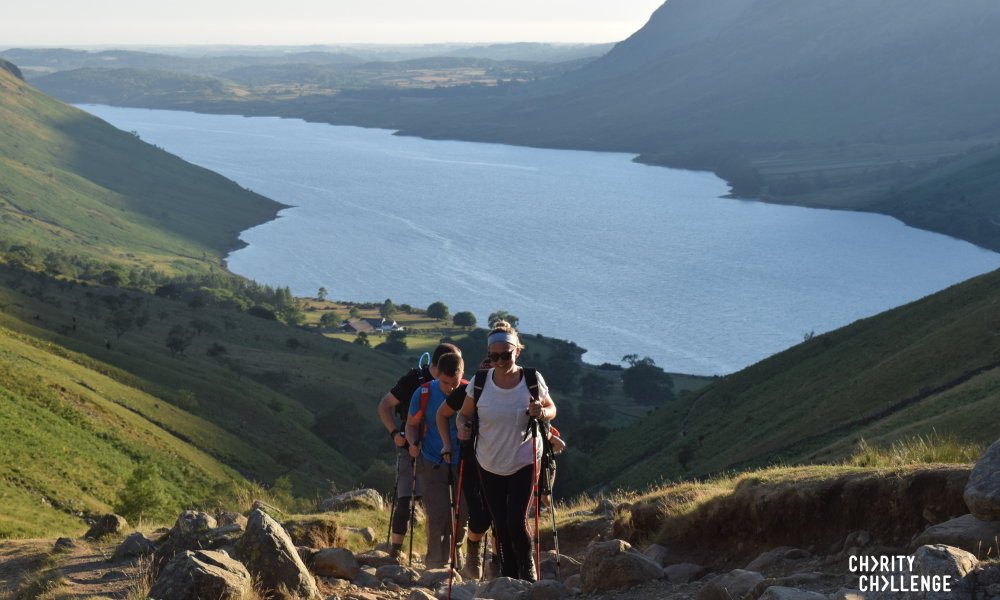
{"x":502,"y":421}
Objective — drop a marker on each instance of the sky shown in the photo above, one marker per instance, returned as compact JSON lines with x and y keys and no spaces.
{"x":299,"y":22}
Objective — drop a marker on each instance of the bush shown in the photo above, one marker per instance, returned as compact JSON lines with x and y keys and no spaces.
{"x":262,"y":313}
{"x":394,"y":344}
{"x":184,"y":400}
{"x":143,"y":496}
{"x":438,"y":310}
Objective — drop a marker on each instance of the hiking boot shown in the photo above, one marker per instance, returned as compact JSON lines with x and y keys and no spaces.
{"x":473,"y":566}
{"x":493,"y":568}
{"x":526,"y":570}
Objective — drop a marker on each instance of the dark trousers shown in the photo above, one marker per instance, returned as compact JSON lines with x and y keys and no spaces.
{"x":508,"y":497}
{"x":472,"y":496}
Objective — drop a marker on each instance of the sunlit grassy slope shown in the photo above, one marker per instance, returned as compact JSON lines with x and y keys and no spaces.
{"x":69,"y":180}
{"x":799,"y":405}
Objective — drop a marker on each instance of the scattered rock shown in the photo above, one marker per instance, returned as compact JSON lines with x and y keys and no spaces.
{"x":376,"y":558}
{"x":401,"y":575}
{"x":605,"y":506}
{"x":201,"y":574}
{"x":335,"y":562}
{"x":366,"y":498}
{"x":504,"y":588}
{"x":367,"y":580}
{"x":684,"y":572}
{"x":192,"y":521}
{"x":268,"y":553}
{"x":966,"y":532}
{"x":849,"y":594}
{"x":765,"y":560}
{"x":64,"y":545}
{"x":366,"y":533}
{"x":548,"y":589}
{"x":573,"y":581}
{"x":657,"y":554}
{"x":434,"y":577}
{"x":466,"y":591}
{"x":230,"y":518}
{"x":419,"y":594}
{"x":613,"y":564}
{"x":135,"y":544}
{"x":225,"y":530}
{"x":109,"y":524}
{"x":858,"y":539}
{"x":982,"y":492}
{"x":787,"y":593}
{"x":795,"y":554}
{"x":730,"y":585}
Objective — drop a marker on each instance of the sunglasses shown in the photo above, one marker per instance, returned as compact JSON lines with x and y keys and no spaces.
{"x":496,"y":357}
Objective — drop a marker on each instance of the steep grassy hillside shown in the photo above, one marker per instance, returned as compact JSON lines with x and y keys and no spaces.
{"x":69,"y":180}
{"x":923,"y":367}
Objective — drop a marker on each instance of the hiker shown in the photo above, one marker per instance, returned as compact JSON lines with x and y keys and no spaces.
{"x":507,"y":460}
{"x":398,"y":401}
{"x":436,"y":472}
{"x":472,"y":493}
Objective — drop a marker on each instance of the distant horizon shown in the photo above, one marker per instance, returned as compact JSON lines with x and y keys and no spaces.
{"x":316,"y":22}
{"x":112,"y":45}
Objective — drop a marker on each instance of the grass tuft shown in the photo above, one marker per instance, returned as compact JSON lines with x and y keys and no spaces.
{"x":930,"y":449}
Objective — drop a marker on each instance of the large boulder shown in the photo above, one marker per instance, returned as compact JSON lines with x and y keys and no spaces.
{"x":270,"y":556}
{"x":175,"y":544}
{"x":504,"y":588}
{"x":615,"y":563}
{"x":568,"y":567}
{"x":376,"y":558}
{"x":933,"y":561}
{"x":401,"y":575}
{"x":966,"y":532}
{"x":366,"y":498}
{"x":730,"y":585}
{"x":657,"y":554}
{"x":982,"y":492}
{"x":787,"y":593}
{"x":135,"y":544}
{"x":230,"y":518}
{"x":435,"y":577}
{"x":64,"y":545}
{"x":765,"y":560}
{"x":109,"y":524}
{"x":335,"y":562}
{"x":201,"y":574}
{"x":192,"y":521}
{"x":367,"y":533}
{"x":316,"y":533}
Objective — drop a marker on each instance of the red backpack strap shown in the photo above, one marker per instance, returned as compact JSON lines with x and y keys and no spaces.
{"x":425,"y":395}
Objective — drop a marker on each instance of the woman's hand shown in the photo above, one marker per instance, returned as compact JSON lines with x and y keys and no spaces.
{"x":535,"y":409}
{"x":465,"y":432}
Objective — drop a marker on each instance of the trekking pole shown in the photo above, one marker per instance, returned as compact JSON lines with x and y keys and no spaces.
{"x":538,"y":505}
{"x":552,"y":509}
{"x":413,"y":508}
{"x":392,"y":511}
{"x":456,"y":502}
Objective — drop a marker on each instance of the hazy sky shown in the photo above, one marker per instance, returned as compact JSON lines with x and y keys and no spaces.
{"x":75,"y":22}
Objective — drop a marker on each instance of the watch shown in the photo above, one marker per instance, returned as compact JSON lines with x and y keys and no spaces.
{"x":394,"y":433}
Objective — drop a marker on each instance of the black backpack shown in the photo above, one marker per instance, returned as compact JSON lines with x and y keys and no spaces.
{"x":403,"y":408}
{"x":531,"y":379}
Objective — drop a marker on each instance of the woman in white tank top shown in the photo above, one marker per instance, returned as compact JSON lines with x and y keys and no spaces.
{"x":506,"y":458}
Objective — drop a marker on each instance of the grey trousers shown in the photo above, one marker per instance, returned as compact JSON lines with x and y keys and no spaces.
{"x":434,"y":484}
{"x":405,"y":485}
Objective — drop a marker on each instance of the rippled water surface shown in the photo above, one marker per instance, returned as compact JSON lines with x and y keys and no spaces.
{"x":619,"y":257}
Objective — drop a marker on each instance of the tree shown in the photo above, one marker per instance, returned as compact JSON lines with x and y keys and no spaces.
{"x":142,"y":320}
{"x":292,"y":315}
{"x":184,"y":400}
{"x":321,"y":294}
{"x":464,"y":319}
{"x":595,"y":386}
{"x":330,"y":319}
{"x":355,"y":313}
{"x":121,"y":321}
{"x":200,"y":325}
{"x":561,"y":373}
{"x":502,"y":315}
{"x":178,"y":338}
{"x":438,"y":310}
{"x":362,"y":340}
{"x":387,"y":310}
{"x":111,"y":278}
{"x":197,"y":301}
{"x":144,"y":495}
{"x":394,"y":344}
{"x":293,"y":344}
{"x":645,"y":382}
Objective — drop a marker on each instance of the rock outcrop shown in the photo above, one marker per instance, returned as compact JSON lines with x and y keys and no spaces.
{"x":136,"y":544}
{"x":201,"y":574}
{"x":938,"y":560}
{"x":613,"y":564}
{"x":268,"y":553}
{"x":175,"y":544}
{"x":109,"y":524}
{"x":192,"y":521}
{"x":966,"y":532}
{"x":504,"y":588}
{"x":982,"y":492}
{"x":335,"y":562}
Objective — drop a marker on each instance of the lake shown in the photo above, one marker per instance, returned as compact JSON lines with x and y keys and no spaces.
{"x":619,"y":257}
